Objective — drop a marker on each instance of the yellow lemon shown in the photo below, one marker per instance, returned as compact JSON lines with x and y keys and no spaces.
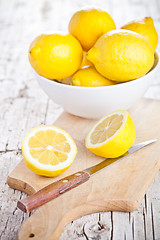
{"x":55,"y":56}
{"x":122,"y":55}
{"x":89,"y":77}
{"x":48,"y":150}
{"x":88,"y":25}
{"x":146,"y":28}
{"x":112,"y":135}
{"x":85,"y":61}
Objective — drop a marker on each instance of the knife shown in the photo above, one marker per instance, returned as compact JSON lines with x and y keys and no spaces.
{"x":63,"y":185}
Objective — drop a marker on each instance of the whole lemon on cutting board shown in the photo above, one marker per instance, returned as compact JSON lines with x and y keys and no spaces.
{"x":146,"y":28}
{"x":89,"y":77}
{"x":55,"y":56}
{"x":88,"y":25}
{"x":112,"y":135}
{"x":122,"y":55}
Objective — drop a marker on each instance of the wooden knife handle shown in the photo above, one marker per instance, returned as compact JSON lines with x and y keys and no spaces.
{"x":52,"y":191}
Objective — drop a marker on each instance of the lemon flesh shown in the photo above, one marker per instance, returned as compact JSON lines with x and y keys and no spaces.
{"x":144,"y":27}
{"x":112,"y":135}
{"x":122,"y":55}
{"x":88,"y":25}
{"x":55,"y":56}
{"x":48,"y":150}
{"x":89,"y":77}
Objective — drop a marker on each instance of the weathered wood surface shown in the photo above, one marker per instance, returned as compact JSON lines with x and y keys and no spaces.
{"x":24,"y":105}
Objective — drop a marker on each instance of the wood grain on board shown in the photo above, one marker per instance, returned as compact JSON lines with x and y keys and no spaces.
{"x":119,"y":187}
{"x":24,"y":106}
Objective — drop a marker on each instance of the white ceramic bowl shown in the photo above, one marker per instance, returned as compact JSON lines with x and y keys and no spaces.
{"x":95,"y":102}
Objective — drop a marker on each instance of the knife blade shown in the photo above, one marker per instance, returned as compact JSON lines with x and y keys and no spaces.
{"x":97,"y":168}
{"x":61,"y":186}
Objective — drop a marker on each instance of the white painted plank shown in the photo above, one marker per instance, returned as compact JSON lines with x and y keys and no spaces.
{"x":24,"y":105}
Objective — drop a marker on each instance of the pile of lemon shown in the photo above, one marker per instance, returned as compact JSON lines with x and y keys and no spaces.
{"x":95,"y":53}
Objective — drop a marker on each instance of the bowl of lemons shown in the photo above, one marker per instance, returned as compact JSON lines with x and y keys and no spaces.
{"x":95,"y":68}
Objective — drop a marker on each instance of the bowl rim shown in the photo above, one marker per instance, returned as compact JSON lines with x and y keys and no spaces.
{"x":101,"y":87}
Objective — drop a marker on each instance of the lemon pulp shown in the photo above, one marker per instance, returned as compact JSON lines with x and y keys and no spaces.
{"x":112,"y":135}
{"x":48,"y":150}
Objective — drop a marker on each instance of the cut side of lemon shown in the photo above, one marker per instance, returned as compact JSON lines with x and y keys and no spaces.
{"x":48,"y":150}
{"x":112,"y":135}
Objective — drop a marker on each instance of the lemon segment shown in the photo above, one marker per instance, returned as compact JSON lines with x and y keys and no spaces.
{"x":88,"y":25}
{"x":122,"y":55}
{"x":48,"y":150}
{"x":144,"y":27}
{"x":112,"y":135}
{"x":89,"y":77}
{"x":55,"y":56}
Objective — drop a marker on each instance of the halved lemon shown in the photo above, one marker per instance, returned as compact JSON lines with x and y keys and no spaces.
{"x":112,"y":135}
{"x":48,"y":150}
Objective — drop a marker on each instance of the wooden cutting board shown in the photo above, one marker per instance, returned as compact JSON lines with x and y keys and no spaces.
{"x":119,"y":187}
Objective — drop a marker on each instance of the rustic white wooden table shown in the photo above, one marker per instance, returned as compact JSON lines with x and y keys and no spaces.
{"x":24,"y":105}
